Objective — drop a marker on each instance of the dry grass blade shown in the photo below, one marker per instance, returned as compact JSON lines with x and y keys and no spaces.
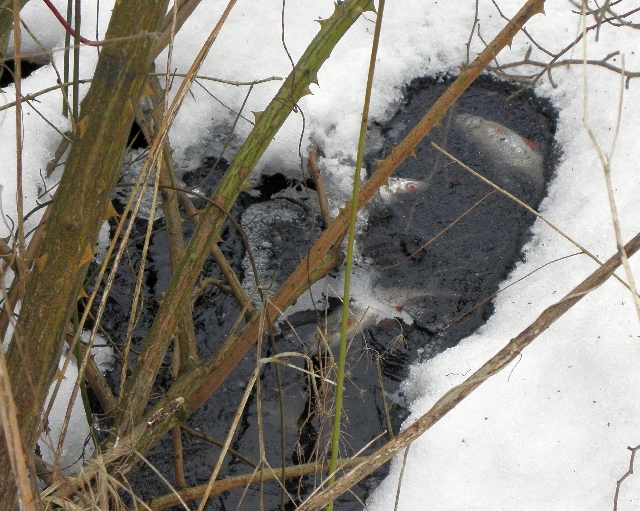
{"x":455,"y":395}
{"x":227,"y":443}
{"x":164,"y":480}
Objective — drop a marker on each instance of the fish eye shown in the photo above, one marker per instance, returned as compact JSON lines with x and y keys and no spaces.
{"x":411,"y":187}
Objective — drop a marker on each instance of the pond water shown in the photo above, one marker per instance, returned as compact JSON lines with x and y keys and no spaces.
{"x":422,"y":257}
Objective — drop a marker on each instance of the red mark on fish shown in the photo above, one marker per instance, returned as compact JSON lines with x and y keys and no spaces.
{"x":505,"y":147}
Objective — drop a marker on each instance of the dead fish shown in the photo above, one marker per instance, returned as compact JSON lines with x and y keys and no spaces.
{"x":400,"y":297}
{"x":399,"y":187}
{"x":505,"y":147}
{"x":330,"y":326}
{"x":383,"y":308}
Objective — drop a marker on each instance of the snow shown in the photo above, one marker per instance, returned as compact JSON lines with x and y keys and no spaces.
{"x":551,"y":430}
{"x":77,"y":443}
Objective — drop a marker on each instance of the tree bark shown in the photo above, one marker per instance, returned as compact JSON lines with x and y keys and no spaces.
{"x":92,"y":169}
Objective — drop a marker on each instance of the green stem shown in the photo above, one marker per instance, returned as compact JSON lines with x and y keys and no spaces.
{"x":350,"y":242}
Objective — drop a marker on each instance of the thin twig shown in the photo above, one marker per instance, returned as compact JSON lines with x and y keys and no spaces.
{"x":605,"y":161}
{"x":626,"y":474}
{"x":222,"y":80}
{"x":383,"y":395}
{"x":399,"y":486}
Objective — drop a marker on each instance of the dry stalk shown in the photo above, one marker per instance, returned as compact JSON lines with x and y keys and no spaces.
{"x":317,"y":179}
{"x":385,"y":406}
{"x":176,"y":433}
{"x":295,"y":471}
{"x":20,"y":245}
{"x":13,"y":440}
{"x":404,"y":464}
{"x":236,"y":419}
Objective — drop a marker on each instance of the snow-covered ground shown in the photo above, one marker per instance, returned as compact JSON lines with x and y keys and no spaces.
{"x":552,"y":430}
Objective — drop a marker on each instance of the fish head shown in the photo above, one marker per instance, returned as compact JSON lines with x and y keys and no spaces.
{"x":468,"y":121}
{"x":400,"y":185}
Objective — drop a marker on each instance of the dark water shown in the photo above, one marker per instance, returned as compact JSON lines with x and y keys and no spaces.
{"x":462,"y":267}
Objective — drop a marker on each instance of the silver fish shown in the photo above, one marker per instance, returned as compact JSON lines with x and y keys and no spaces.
{"x":505,"y":147}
